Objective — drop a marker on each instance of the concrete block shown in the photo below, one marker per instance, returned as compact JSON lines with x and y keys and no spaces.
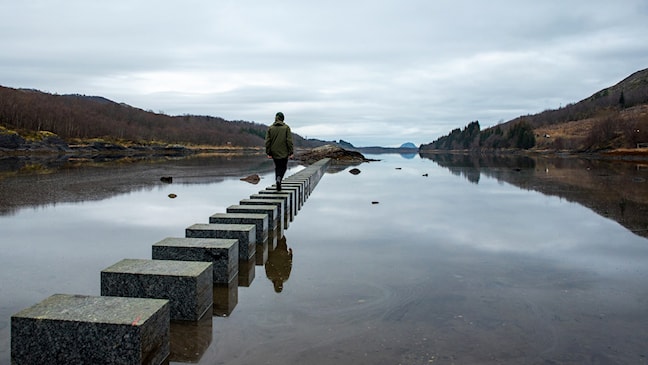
{"x":276,"y":234}
{"x":259,"y":220}
{"x":303,"y":181}
{"x":301,"y":193}
{"x":281,"y":207}
{"x":262,"y":253}
{"x":244,"y":233}
{"x":284,"y":197}
{"x":77,"y":329}
{"x":279,"y":203}
{"x":223,"y":253}
{"x":273,"y":194}
{"x":186,"y":284}
{"x":270,"y":210}
{"x":297,"y":198}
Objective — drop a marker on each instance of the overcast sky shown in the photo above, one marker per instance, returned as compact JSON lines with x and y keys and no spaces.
{"x":379,"y":72}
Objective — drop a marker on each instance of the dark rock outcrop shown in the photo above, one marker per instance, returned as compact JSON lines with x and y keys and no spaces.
{"x":338,"y":155}
{"x":252,"y":179}
{"x":11,"y":140}
{"x":15,"y":142}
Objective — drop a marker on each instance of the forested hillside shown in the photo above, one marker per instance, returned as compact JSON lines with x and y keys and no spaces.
{"x":615,"y":117}
{"x":79,"y":117}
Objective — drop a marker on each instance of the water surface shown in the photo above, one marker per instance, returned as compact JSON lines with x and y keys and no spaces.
{"x":413,"y":261}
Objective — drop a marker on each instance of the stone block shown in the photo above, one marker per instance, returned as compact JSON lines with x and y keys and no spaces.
{"x":223,"y":253}
{"x":297,"y":198}
{"x":283,"y":197}
{"x":303,"y":181}
{"x":262,"y":253}
{"x":244,"y":233}
{"x":273,"y":194}
{"x":186,"y":284}
{"x":259,"y":220}
{"x":247,"y":272}
{"x":77,"y":329}
{"x":281,"y":207}
{"x":301,"y":192}
{"x":279,"y":203}
{"x":269,"y":209}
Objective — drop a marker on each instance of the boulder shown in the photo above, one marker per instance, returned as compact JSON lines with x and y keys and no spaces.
{"x":335,"y":153}
{"x":252,"y":179}
{"x":11,"y":140}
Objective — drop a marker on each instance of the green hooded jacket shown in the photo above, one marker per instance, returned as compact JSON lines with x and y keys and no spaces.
{"x":278,"y":140}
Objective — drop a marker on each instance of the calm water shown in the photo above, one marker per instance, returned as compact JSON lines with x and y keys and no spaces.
{"x":469,"y":264}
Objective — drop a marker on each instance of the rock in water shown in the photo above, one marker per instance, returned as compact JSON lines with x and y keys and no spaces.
{"x":252,"y":179}
{"x":354,"y":171}
{"x":337,"y":154}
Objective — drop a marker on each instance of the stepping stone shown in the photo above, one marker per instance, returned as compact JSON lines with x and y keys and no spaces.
{"x":221,"y":252}
{"x":186,"y":284}
{"x":79,"y":329}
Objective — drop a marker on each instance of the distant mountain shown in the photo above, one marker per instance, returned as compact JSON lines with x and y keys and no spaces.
{"x":408,"y":145}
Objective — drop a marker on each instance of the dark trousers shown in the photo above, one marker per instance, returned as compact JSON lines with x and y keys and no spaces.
{"x":281,"y":165}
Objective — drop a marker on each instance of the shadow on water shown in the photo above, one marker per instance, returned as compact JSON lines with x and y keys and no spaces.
{"x":613,"y":189}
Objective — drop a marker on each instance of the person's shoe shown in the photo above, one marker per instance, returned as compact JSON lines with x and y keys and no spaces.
{"x":278,"y":185}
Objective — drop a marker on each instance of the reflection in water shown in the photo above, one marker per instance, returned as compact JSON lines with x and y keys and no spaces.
{"x":190,"y":339}
{"x":27,"y":182}
{"x":441,"y":271}
{"x":226,"y":298}
{"x":613,"y":189}
{"x":279,"y":264}
{"x":408,"y":156}
{"x":246,"y":272}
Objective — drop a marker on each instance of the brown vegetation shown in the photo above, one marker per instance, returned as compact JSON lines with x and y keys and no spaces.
{"x":610,"y":130}
{"x":78,"y":118}
{"x":612,"y":119}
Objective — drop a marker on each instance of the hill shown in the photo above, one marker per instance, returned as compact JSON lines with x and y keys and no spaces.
{"x":34,"y":115}
{"x":613,"y":118}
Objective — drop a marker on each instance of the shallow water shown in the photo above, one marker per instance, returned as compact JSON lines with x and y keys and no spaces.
{"x":467,"y":265}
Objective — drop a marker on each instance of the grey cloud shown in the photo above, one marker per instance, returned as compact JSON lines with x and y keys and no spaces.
{"x":369,"y":72}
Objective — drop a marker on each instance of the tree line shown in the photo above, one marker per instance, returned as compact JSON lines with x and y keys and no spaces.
{"x":614,"y":124}
{"x":79,"y":117}
{"x":519,"y":135}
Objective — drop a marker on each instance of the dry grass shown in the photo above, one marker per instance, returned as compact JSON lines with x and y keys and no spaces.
{"x":572,"y":134}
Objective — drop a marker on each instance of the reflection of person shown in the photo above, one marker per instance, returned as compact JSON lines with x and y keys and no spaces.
{"x":279,"y":146}
{"x":279,"y":264}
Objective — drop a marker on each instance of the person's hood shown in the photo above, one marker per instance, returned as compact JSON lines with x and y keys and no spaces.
{"x":279,"y":122}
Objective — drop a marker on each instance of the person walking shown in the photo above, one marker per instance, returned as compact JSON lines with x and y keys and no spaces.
{"x":279,"y":146}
